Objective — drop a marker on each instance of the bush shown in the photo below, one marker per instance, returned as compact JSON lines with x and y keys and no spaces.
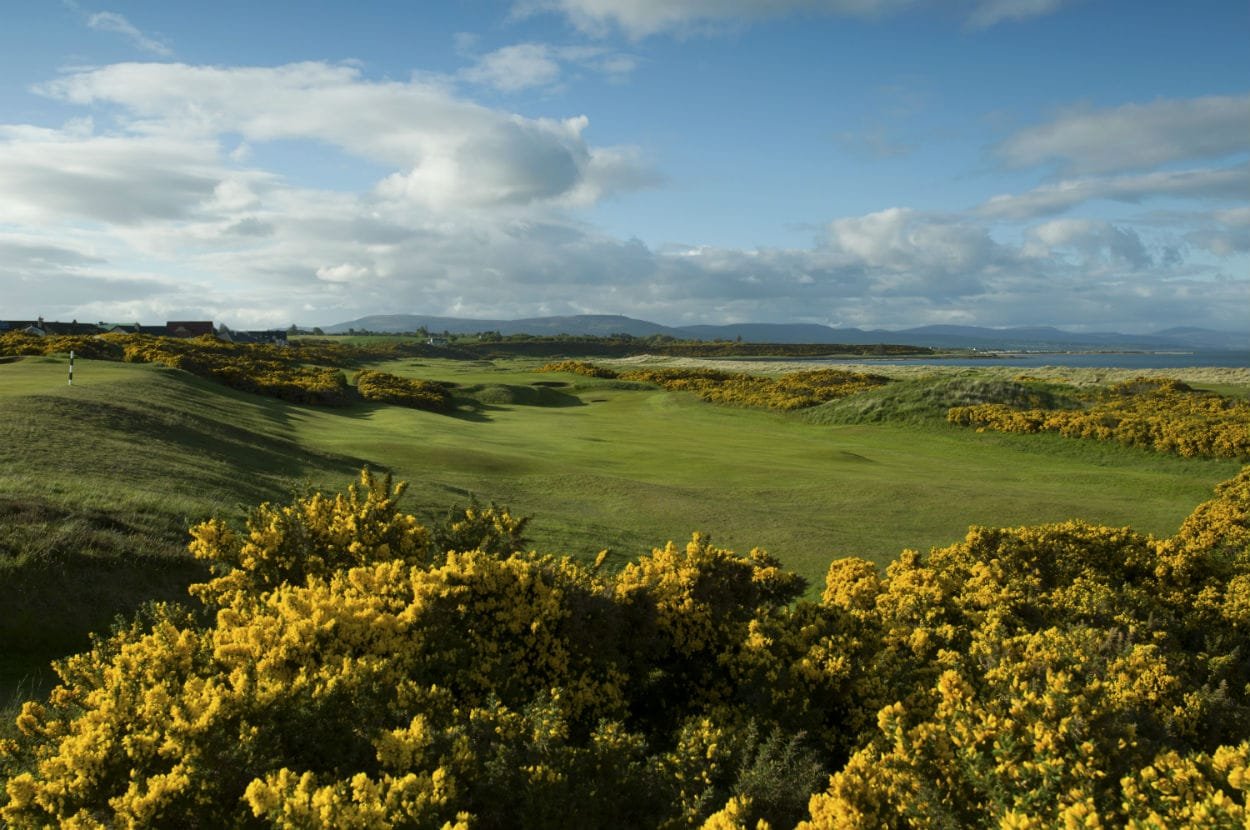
{"x":1159,"y":414}
{"x":346,"y":670}
{"x":388,"y":388}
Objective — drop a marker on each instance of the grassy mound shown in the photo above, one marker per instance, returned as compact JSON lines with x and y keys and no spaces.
{"x":509,"y":394}
{"x":929,"y":399}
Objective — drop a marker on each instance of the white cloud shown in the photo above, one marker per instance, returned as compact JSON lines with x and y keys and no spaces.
{"x":159,"y":217}
{"x":50,"y":175}
{"x":1135,"y":136}
{"x":346,"y":256}
{"x":904,"y":240}
{"x":529,"y":65}
{"x":344,"y":272}
{"x":516,"y":67}
{"x":447,"y":152}
{"x":1098,"y":245}
{"x":1049,"y":199}
{"x":113,"y":22}
{"x":1226,"y":233}
{"x":641,"y":18}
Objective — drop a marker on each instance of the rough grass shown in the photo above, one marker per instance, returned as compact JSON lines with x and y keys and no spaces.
{"x":928,"y":400}
{"x":1203,"y":376}
{"x":99,"y":483}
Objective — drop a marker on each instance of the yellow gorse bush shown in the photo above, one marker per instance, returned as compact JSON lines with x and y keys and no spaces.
{"x":350,"y":667}
{"x":1160,"y":414}
{"x":387,"y":388}
{"x":796,"y":390}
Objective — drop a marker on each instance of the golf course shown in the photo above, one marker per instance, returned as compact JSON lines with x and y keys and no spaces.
{"x":101,"y":479}
{"x":332,"y":585}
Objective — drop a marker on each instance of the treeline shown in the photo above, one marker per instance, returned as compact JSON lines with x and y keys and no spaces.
{"x":348,"y":667}
{"x":794,"y":390}
{"x":1159,"y":414}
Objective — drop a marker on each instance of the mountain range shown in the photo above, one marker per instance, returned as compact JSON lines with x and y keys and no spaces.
{"x":1035,"y":338}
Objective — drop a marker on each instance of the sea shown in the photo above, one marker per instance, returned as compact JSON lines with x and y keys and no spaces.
{"x":1094,"y":360}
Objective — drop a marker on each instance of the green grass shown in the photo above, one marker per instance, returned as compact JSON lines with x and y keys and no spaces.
{"x":99,"y":483}
{"x":927,"y":400}
{"x":101,"y":480}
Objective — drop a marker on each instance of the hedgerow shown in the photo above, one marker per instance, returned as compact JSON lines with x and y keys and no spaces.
{"x":349,"y":667}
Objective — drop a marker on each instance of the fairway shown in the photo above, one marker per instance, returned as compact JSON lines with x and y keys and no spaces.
{"x":100,"y":481}
{"x":595,"y":465}
{"x":629,"y":469}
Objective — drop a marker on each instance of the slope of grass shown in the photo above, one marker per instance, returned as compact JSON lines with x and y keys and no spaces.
{"x":927,"y":400}
{"x":102,"y":480}
{"x":99,"y":482}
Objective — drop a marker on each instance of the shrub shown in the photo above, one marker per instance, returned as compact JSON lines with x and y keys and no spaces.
{"x":1160,"y":414}
{"x":346,"y":670}
{"x":388,"y":388}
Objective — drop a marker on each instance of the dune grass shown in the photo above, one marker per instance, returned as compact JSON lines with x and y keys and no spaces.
{"x":99,"y":482}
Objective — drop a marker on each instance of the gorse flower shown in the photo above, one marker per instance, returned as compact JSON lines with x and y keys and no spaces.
{"x":350,"y":667}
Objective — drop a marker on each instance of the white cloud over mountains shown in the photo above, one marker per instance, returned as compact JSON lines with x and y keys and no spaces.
{"x":145,"y":209}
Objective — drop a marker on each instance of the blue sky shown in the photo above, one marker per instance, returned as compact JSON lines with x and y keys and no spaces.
{"x":873,"y":163}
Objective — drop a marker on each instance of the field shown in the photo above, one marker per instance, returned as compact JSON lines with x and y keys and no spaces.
{"x":100,"y":481}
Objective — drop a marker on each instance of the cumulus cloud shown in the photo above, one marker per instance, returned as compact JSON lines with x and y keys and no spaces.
{"x":945,"y":251}
{"x":447,"y":151}
{"x":116,"y":23}
{"x":1098,"y":244}
{"x":474,"y":216}
{"x":1134,"y":136}
{"x":329,"y":258}
{"x":641,"y":18}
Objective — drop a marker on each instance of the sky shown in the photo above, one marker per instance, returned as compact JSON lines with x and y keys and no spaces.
{"x":872,"y":163}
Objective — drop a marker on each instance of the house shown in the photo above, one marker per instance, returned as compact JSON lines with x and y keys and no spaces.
{"x":172,"y":328}
{"x":38,"y":328}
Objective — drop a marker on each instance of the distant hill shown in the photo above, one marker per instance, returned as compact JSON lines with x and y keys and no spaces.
{"x":942,"y":336}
